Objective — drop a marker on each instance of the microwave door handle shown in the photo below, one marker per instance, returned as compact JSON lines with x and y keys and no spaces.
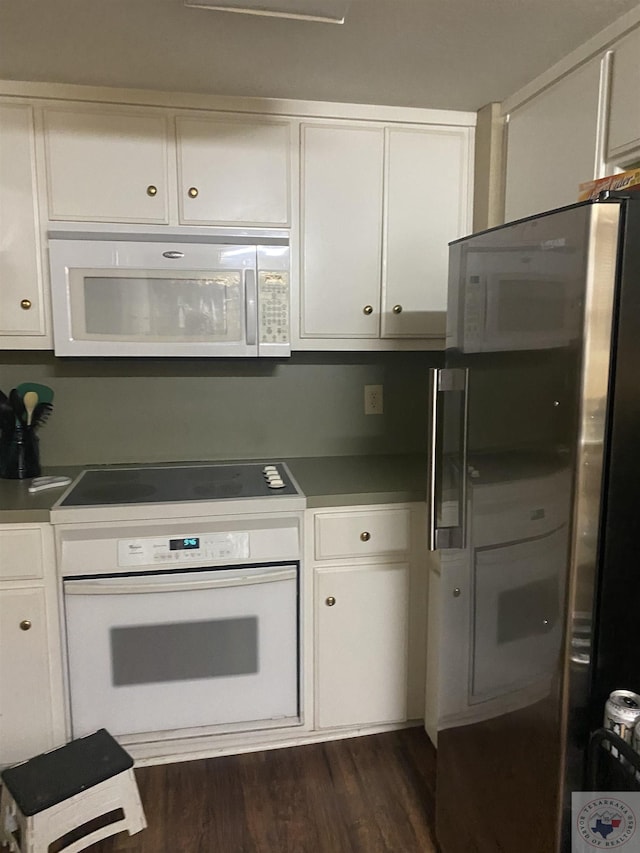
{"x":133,"y":586}
{"x":251,"y":306}
{"x":447,"y":381}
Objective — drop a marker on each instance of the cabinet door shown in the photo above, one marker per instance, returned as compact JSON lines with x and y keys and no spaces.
{"x":107,"y":165}
{"x":624,"y":117}
{"x":342,"y":175}
{"x":426,"y":206}
{"x":552,"y":143}
{"x":21,"y":289}
{"x":361,"y":654}
{"x":26,"y":726}
{"x":233,"y":171}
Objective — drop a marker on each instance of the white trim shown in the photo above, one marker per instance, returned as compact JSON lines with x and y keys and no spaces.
{"x":600,"y":42}
{"x":262,"y":106}
{"x":604,"y":110}
{"x":163,"y":752}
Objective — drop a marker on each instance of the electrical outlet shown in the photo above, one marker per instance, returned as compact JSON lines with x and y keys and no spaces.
{"x":373,"y":400}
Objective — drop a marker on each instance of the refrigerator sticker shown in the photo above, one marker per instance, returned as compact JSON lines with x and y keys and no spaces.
{"x":605,"y":820}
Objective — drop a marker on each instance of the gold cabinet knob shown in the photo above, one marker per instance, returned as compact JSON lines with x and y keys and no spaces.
{"x":330,"y":601}
{"x":397,"y":309}
{"x":151,"y":190}
{"x":368,"y":309}
{"x":25,"y":625}
{"x":25,"y":304}
{"x":365,"y":536}
{"x":192,"y":192}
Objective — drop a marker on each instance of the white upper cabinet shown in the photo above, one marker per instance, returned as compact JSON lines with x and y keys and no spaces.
{"x":371,"y":195}
{"x":426,"y":207}
{"x":341,"y":224}
{"x":106,"y":165}
{"x":378,"y":208}
{"x":233,"y":171}
{"x":109,"y":164}
{"x":552,"y":144}
{"x":22,"y":308}
{"x":624,"y":118}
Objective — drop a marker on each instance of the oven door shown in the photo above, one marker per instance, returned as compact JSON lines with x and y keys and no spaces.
{"x":162,"y":652}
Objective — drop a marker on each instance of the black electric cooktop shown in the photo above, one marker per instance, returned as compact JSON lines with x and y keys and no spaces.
{"x":173,"y":484}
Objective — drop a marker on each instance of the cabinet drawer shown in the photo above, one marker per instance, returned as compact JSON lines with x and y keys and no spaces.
{"x":20,"y":553}
{"x":361,"y":534}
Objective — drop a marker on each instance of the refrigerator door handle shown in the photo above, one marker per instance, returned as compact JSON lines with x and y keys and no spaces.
{"x":447,"y":512}
{"x":432,"y":513}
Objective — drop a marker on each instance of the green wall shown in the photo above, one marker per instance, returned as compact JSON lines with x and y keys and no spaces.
{"x":162,"y":410}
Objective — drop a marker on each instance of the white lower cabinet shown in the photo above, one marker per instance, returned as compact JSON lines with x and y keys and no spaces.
{"x":31,"y":704}
{"x":370,"y":588}
{"x":361,"y":654}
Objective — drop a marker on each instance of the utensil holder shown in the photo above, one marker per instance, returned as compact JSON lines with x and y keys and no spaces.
{"x":19,"y":454}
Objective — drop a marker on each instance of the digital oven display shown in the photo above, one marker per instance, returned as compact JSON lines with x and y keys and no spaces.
{"x":189,"y":543}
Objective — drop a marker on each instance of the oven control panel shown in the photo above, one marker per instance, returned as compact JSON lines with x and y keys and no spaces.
{"x":165,"y":551}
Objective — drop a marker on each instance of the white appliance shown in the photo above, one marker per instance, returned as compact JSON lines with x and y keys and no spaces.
{"x":181,"y":614}
{"x":148,"y":292}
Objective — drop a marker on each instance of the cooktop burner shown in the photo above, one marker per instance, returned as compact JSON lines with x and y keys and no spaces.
{"x":175,"y":484}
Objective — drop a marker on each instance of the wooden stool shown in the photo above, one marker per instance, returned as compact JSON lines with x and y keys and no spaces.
{"x":62,"y":791}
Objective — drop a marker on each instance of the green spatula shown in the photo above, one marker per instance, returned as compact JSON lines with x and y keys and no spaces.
{"x":45,"y":394}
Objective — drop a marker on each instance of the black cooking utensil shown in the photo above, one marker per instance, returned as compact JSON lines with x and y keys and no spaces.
{"x":7,"y":415}
{"x":17,"y":404}
{"x":40,"y":414}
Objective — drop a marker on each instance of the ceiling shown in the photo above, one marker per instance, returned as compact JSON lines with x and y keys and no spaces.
{"x":451,"y":54}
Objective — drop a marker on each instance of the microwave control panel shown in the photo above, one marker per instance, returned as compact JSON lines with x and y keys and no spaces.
{"x":165,"y":551}
{"x":273,"y":307}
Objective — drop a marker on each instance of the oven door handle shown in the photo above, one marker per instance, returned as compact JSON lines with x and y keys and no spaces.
{"x":132,"y":586}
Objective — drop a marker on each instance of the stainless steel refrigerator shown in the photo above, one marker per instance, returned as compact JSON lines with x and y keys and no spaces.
{"x":536,"y":518}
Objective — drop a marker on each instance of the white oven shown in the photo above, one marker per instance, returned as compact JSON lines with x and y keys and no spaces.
{"x":181,"y":619}
{"x":165,"y":651}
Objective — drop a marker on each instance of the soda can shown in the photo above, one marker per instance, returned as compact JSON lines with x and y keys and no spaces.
{"x":621,"y":714}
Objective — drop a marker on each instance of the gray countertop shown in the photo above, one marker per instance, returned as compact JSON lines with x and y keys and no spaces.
{"x":325,"y":480}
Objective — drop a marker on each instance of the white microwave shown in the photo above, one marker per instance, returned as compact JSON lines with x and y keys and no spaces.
{"x":195,"y":292}
{"x":508,"y":310}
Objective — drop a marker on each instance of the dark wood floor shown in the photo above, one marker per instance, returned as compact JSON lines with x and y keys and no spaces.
{"x":369,"y":794}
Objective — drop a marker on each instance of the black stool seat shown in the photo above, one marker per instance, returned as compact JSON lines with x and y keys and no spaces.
{"x":52,"y":777}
